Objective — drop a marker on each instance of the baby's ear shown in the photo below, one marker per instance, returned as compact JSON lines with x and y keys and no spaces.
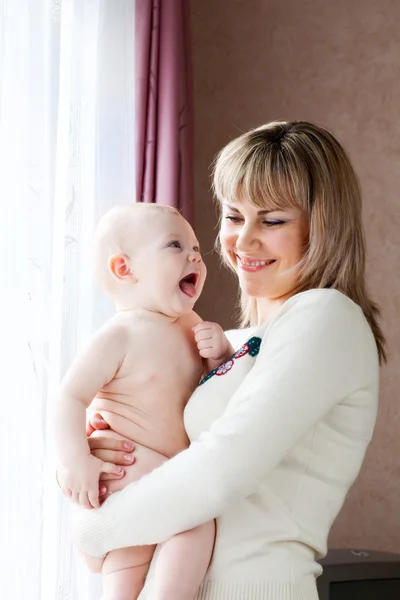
{"x":120,"y":269}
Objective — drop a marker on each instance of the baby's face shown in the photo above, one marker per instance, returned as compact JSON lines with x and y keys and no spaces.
{"x":167,"y":264}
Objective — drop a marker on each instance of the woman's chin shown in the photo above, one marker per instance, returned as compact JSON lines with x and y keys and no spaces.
{"x":251,"y":288}
{"x":259,"y":292}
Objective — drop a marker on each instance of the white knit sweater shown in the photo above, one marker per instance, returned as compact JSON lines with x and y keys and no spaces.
{"x":278,"y":437}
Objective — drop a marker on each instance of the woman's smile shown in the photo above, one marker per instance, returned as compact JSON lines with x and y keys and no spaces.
{"x":252,"y":265}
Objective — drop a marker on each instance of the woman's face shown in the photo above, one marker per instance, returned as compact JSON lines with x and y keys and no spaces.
{"x":263,"y":247}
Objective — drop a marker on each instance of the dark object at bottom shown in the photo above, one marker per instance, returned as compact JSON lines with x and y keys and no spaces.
{"x":359,"y":575}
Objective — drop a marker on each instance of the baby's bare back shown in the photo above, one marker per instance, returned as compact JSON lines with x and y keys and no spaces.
{"x":146,"y":399}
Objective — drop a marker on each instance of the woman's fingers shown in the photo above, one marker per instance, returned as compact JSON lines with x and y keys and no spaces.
{"x":107,"y":443}
{"x":111,"y":469}
{"x":110,"y":476}
{"x":118,"y":458}
{"x":110,"y":450}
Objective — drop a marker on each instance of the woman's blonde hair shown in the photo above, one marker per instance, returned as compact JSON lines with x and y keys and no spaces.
{"x":297,"y":164}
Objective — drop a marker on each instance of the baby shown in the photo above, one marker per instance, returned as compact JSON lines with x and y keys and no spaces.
{"x":138,"y":372}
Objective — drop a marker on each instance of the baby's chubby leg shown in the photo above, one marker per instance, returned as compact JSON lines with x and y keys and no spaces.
{"x":124,"y":572}
{"x":95,"y":565}
{"x":182,"y":563}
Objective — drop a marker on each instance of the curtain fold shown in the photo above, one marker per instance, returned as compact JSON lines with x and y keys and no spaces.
{"x":67,"y":155}
{"x":164,"y":104}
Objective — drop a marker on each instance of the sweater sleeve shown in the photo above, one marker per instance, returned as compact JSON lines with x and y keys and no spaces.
{"x":311,"y":358}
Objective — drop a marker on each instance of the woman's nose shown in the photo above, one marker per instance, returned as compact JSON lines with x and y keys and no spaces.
{"x":246,"y":239}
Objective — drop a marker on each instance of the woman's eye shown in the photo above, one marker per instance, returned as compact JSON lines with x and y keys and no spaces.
{"x":276,"y":223}
{"x":233,"y":218}
{"x":175,"y":244}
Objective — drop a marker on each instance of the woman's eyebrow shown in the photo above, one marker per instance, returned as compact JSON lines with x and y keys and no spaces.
{"x":232,"y":208}
{"x":259,"y":212}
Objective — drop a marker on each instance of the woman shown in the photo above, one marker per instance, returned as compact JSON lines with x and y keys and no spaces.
{"x":279,"y":433}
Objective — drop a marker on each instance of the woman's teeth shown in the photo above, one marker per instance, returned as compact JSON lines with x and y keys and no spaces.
{"x":254,"y":263}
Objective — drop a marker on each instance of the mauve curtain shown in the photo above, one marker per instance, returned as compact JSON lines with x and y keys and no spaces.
{"x":164,"y":104}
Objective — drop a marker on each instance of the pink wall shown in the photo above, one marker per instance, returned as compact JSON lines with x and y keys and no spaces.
{"x":338,"y":64}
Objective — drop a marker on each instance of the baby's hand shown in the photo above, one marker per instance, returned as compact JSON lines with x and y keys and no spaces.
{"x":81,"y":482}
{"x":212,"y":343}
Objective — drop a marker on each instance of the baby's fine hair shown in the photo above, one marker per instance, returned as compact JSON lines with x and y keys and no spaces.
{"x":115,"y":234}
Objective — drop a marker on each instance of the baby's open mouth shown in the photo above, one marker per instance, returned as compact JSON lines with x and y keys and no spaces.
{"x":188,"y":284}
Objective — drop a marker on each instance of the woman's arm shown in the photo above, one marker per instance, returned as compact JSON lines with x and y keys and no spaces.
{"x":312,"y":357}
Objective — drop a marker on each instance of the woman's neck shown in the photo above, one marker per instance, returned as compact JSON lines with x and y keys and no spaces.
{"x":268,"y":307}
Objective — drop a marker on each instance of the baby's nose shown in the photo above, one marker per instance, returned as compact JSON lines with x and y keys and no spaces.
{"x":195,"y":257}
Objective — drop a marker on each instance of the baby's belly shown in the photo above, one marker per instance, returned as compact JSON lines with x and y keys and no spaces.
{"x":145,"y":461}
{"x":166,"y":436}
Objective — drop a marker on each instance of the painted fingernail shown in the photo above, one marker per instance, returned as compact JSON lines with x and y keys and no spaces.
{"x":128,"y":458}
{"x":128,"y":446}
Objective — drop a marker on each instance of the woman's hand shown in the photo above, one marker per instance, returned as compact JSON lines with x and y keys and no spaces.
{"x":118,"y":452}
{"x":110,"y":450}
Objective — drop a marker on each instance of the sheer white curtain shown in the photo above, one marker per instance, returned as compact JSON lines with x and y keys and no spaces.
{"x":66,"y":156}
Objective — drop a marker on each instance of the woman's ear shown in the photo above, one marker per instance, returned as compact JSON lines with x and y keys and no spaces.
{"x":120,"y":269}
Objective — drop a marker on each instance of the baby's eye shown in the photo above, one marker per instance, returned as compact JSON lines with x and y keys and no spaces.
{"x":175,"y":244}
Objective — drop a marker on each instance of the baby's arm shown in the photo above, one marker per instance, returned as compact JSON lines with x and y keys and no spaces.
{"x":79,"y":471}
{"x":213,"y":344}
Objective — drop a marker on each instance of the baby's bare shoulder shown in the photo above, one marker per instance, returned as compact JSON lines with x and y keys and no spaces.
{"x":114,"y":330}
